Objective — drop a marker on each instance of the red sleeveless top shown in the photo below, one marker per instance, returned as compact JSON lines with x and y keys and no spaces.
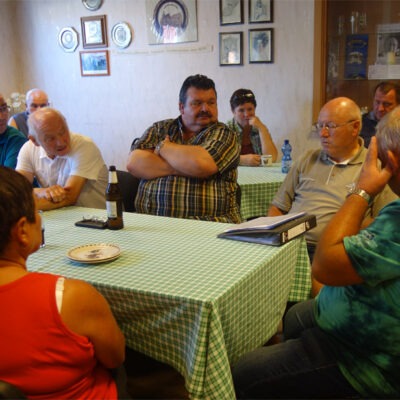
{"x":38,"y":353}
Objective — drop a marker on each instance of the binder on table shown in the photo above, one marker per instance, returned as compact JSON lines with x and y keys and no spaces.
{"x":273,"y":231}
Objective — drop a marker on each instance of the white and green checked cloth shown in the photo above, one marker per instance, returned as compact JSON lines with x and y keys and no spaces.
{"x":258,"y":187}
{"x":180,"y":294}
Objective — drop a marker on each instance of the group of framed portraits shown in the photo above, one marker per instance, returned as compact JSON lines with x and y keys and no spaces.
{"x":260,"y":40}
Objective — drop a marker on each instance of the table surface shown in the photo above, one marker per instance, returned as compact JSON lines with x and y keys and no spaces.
{"x":258,"y":187}
{"x":180,"y":294}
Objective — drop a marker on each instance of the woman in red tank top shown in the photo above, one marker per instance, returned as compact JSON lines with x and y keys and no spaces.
{"x":49,"y":349}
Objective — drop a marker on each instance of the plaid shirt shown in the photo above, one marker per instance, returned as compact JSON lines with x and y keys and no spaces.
{"x":209,"y":199}
{"x":254,"y":135}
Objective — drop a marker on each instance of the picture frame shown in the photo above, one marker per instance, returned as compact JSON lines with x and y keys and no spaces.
{"x":260,"y":11}
{"x":94,"y":31}
{"x":94,"y":63}
{"x":388,"y":44}
{"x":231,"y":12}
{"x":171,"y":21}
{"x":261,"y":45}
{"x":231,"y":48}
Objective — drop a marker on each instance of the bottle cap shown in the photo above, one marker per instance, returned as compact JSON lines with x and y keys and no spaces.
{"x":112,"y":168}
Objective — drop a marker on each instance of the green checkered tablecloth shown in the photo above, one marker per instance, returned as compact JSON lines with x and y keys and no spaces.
{"x":180,"y":294}
{"x":258,"y":186}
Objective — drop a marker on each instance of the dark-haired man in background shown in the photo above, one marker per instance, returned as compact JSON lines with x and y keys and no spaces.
{"x":188,"y":165}
{"x":386,"y":98}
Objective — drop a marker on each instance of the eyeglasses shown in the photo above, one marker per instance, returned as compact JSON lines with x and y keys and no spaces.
{"x":331,"y":126}
{"x":243,"y":96}
{"x":4,"y":109}
{"x":35,"y":106}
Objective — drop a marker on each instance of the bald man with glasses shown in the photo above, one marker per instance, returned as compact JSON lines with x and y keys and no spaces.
{"x":11,"y":140}
{"x":320,"y":180}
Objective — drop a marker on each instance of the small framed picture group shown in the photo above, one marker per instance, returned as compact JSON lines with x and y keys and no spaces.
{"x":232,"y":11}
{"x":260,"y":44}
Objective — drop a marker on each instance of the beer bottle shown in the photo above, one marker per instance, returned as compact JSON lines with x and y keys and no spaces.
{"x":113,"y":201}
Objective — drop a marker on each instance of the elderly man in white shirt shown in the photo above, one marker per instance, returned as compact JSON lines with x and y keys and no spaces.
{"x":69,"y":167}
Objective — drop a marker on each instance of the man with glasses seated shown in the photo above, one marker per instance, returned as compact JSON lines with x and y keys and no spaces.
{"x":386,"y":98}
{"x":35,"y":99}
{"x":319,"y":181}
{"x":11,"y":140}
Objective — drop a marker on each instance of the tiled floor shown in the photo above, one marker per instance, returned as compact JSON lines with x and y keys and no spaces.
{"x":150,"y":379}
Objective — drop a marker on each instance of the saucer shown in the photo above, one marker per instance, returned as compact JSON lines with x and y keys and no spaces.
{"x":94,"y":253}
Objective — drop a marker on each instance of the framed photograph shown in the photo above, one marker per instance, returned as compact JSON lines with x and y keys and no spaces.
{"x":261,"y":45}
{"x":230,"y":12}
{"x":260,"y":11}
{"x":231,"y":48}
{"x":171,"y":21}
{"x":94,"y":63}
{"x":388,"y":45}
{"x":94,"y":31}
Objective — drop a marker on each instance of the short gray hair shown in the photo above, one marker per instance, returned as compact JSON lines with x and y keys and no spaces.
{"x":388,"y":134}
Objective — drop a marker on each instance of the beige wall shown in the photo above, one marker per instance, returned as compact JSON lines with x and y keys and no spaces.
{"x":145,"y":79}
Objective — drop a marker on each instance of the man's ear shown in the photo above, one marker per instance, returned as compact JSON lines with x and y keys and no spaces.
{"x":33,"y":139}
{"x":392,"y":161}
{"x":181,"y":107}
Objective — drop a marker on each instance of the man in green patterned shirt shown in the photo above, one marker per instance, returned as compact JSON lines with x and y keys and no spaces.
{"x":345,"y":343}
{"x":188,"y":165}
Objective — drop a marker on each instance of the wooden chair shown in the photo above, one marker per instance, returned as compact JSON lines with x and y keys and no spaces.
{"x":129,"y":185}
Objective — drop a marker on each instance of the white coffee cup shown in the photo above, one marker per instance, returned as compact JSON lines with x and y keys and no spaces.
{"x":266,"y":160}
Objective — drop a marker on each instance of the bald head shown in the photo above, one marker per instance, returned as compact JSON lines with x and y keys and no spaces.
{"x":342,"y":109}
{"x":340,"y":121}
{"x":49,"y":129}
{"x":36,"y":98}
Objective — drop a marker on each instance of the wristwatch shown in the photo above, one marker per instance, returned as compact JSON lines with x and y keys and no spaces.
{"x":159,"y":147}
{"x":362,"y":193}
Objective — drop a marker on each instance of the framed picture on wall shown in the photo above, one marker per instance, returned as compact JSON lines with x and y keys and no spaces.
{"x":260,"y":11}
{"x":261,"y":45}
{"x":171,"y":21}
{"x":230,"y":12}
{"x":94,"y":31}
{"x":231,"y":48}
{"x":94,"y":63}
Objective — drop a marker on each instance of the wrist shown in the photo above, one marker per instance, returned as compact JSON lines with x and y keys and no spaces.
{"x":159,"y":146}
{"x":362,"y":193}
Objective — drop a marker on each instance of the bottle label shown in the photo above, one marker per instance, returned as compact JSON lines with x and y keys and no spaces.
{"x":112,"y":209}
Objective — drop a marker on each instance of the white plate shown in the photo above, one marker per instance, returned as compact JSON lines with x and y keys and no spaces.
{"x":121,"y":35}
{"x":94,"y":253}
{"x":92,"y":5}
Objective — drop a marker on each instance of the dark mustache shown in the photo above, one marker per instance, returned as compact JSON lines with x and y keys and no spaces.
{"x":204,"y":114}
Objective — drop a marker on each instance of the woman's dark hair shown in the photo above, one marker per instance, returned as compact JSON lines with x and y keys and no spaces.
{"x":16,"y":201}
{"x":199,"y":82}
{"x":242,"y":96}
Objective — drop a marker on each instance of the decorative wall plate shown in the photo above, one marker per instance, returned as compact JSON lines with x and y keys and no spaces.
{"x":92,"y":5}
{"x":121,"y":34}
{"x":68,"y":39}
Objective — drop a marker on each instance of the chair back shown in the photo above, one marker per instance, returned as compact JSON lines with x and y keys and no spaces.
{"x":128,"y":185}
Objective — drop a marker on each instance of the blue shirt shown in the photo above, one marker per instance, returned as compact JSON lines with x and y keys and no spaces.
{"x":11,"y":140}
{"x":364,"y":320}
